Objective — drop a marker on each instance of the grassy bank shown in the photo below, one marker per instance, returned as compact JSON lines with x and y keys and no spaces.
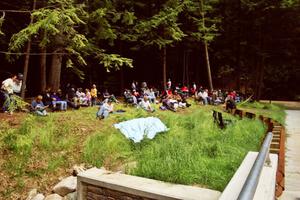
{"x":274,"y":111}
{"x":194,"y":151}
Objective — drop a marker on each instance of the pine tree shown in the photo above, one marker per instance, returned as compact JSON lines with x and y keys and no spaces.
{"x":61,"y":29}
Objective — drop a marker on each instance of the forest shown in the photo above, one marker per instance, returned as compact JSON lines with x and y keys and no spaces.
{"x":248,"y":45}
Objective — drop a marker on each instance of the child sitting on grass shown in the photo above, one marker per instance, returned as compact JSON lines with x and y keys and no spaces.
{"x":145,"y":104}
{"x":105,"y":109}
{"x":38,"y":107}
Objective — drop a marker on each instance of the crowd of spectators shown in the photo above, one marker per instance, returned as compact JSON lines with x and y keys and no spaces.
{"x":173,"y":97}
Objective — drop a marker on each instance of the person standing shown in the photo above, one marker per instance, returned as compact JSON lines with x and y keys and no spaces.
{"x":93,"y":93}
{"x":169,"y":84}
{"x":8,"y":88}
{"x":133,"y":85}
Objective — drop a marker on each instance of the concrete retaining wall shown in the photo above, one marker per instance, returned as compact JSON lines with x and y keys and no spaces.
{"x":97,"y":184}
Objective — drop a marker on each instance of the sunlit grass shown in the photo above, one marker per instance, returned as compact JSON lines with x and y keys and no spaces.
{"x":271,"y":110}
{"x":194,"y":151}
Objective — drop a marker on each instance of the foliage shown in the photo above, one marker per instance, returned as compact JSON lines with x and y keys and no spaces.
{"x":1,"y":22}
{"x":246,"y":38}
{"x":61,"y":27}
{"x":16,"y":103}
{"x":114,"y":61}
{"x":290,"y":3}
{"x":204,"y":22}
{"x":163,"y":28}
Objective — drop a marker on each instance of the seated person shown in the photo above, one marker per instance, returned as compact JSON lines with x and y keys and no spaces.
{"x":203,"y":95}
{"x":112,"y":97}
{"x":145,"y":104}
{"x":38,"y":106}
{"x":178,"y":100}
{"x":237,"y":98}
{"x":105,"y":110}
{"x":169,"y":103}
{"x":72,"y":99}
{"x":151,"y":95}
{"x":184,"y":99}
{"x":215,"y":99}
{"x":81,"y":97}
{"x":230,"y":103}
{"x":137,"y":95}
{"x":56,"y":99}
{"x":221,"y":96}
{"x":47,"y":97}
{"x":88,"y":97}
{"x":129,"y":98}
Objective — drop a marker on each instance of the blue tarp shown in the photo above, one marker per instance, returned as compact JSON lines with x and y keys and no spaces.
{"x":137,"y":129}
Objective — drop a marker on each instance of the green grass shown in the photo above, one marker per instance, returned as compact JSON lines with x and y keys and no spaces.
{"x":194,"y":151}
{"x":271,"y":110}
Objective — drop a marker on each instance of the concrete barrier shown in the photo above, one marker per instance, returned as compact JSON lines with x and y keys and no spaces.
{"x":266,"y":185}
{"x":99,"y":184}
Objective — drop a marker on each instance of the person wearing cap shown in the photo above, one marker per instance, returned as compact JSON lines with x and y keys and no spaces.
{"x":9,"y":87}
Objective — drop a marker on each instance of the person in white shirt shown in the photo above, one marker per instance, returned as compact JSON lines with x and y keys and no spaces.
{"x":145,"y":104}
{"x":8,"y":88}
{"x":169,"y":84}
{"x":205,"y":97}
{"x":105,"y":109}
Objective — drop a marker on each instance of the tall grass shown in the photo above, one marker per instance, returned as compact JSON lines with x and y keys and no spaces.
{"x":37,"y":147}
{"x":109,"y":150}
{"x":194,"y":151}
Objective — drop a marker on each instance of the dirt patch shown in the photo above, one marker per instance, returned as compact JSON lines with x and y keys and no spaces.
{"x":13,"y":120}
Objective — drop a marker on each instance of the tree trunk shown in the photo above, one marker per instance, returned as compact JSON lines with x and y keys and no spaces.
{"x":187,"y":68}
{"x":122,"y":84}
{"x":261,"y":78}
{"x":165,"y":66}
{"x":55,"y":71}
{"x":238,"y":48}
{"x":261,"y":63}
{"x":43,"y":72}
{"x":26,"y":63}
{"x":206,"y":48}
{"x":208,"y":66}
{"x":184,"y":68}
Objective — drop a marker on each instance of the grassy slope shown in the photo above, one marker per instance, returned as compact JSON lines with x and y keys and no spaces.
{"x":194,"y":151}
{"x":271,"y":110}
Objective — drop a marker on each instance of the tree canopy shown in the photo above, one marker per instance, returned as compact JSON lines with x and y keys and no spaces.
{"x":247,"y":45}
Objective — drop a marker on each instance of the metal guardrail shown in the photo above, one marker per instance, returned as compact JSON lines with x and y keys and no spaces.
{"x":250,"y":185}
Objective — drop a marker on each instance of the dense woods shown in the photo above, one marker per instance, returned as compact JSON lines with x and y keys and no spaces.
{"x":247,"y":45}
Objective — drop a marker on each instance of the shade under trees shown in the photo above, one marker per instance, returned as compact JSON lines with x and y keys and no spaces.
{"x":252,"y":46}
